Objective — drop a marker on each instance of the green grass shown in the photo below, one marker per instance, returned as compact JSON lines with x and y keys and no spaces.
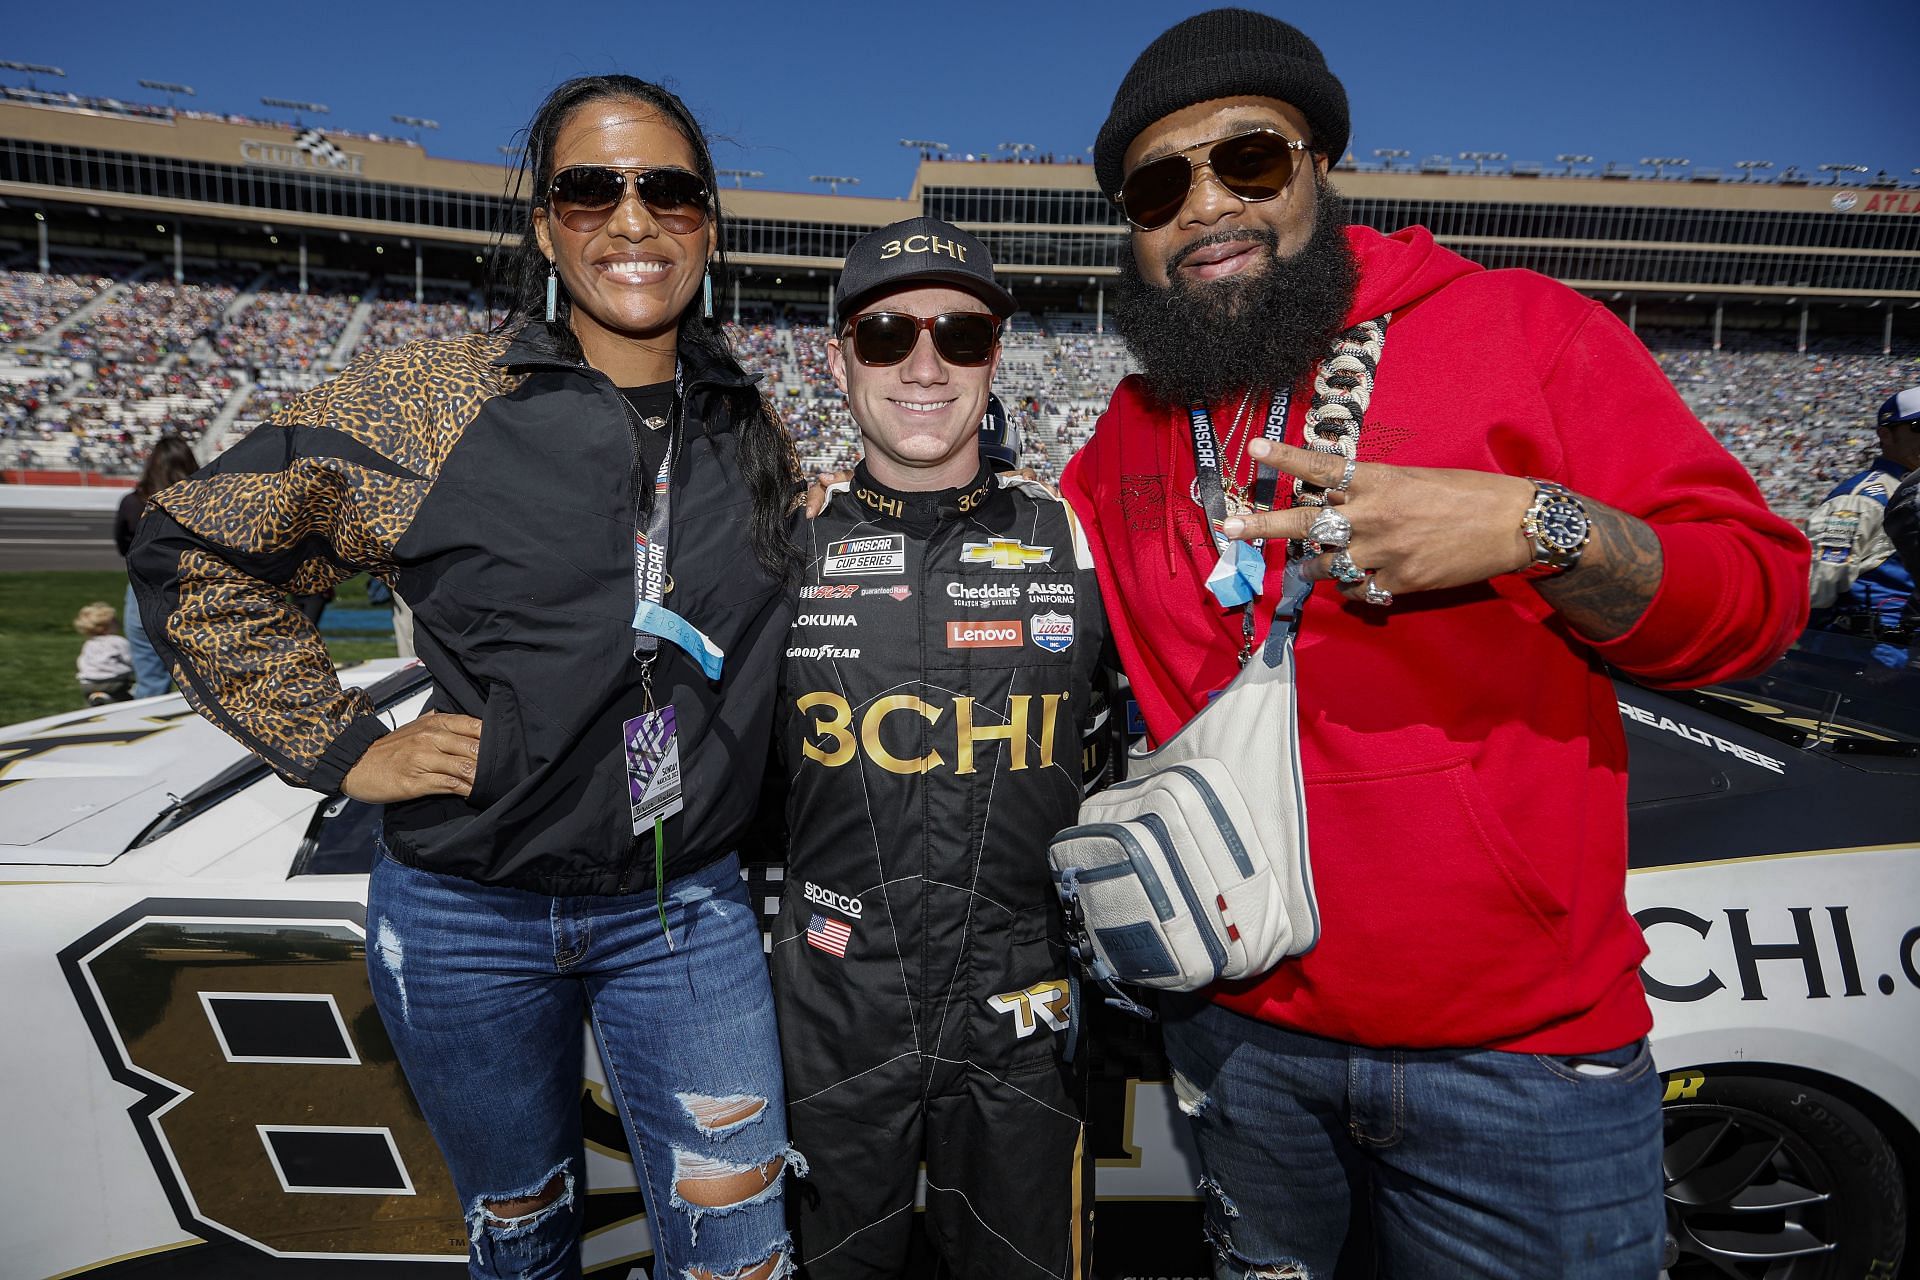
{"x":38,"y":644}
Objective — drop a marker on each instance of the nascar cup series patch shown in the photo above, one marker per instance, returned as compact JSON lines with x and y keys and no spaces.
{"x":1052,"y":631}
{"x":857,"y":557}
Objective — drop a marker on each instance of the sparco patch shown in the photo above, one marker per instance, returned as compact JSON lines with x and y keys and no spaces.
{"x":829,"y":590}
{"x":857,"y":557}
{"x":822,"y":897}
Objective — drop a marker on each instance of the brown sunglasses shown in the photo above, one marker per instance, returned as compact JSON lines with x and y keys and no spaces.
{"x":1254,"y":166}
{"x":963,"y":338}
{"x":584,"y":197}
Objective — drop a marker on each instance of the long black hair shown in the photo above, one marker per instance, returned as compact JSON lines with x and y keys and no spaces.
{"x":170,"y":462}
{"x":517,"y":276}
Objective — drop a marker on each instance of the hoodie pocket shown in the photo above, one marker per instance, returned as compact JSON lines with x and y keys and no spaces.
{"x":503,"y":748}
{"x":1437,"y":927}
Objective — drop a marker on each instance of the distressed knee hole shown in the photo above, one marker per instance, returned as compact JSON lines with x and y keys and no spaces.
{"x":1192,"y":1099}
{"x":721,"y":1115}
{"x":704,"y":1183}
{"x":776,"y":1267}
{"x":1245,"y":1267}
{"x":1220,"y":1197}
{"x":504,"y":1213}
{"x":514,"y":1214}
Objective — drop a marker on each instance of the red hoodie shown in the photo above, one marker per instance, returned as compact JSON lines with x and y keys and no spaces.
{"x":1465,"y":765}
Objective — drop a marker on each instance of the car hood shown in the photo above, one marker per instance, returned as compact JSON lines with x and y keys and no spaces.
{"x":77,"y":789}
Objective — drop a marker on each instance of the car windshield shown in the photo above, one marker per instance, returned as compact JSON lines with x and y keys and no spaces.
{"x":1826,"y":695}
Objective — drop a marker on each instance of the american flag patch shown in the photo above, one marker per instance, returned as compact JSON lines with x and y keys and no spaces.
{"x":828,"y":934}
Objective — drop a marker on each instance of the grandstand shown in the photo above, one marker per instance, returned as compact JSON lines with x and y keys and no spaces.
{"x":173,"y":270}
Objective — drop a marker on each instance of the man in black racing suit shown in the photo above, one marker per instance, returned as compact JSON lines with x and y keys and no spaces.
{"x":938,"y":682}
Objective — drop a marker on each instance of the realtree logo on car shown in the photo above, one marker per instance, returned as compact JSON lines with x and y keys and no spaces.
{"x":985,"y":635}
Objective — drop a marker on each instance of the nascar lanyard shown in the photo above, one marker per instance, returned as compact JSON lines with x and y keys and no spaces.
{"x":652,"y":620}
{"x":1241,"y":569}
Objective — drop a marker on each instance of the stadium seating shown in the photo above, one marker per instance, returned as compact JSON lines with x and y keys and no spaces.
{"x":226,"y":346}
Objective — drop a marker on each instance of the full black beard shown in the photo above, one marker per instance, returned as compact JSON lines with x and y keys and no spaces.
{"x":1199,"y":341}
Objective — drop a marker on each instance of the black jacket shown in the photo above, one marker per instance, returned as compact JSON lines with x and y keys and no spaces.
{"x":495,"y":486}
{"x":936,"y":717}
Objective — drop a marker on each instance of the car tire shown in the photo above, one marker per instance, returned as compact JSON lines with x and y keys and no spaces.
{"x":1771,"y":1179}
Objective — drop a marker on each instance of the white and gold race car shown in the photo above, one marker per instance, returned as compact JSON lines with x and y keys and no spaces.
{"x":194,"y":1082}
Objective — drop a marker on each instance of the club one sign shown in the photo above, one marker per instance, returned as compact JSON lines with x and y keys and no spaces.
{"x":310,"y":149}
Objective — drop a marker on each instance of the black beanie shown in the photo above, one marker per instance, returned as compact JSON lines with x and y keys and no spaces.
{"x":1222,"y":53}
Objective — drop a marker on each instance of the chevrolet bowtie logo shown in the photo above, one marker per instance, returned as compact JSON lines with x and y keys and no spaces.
{"x":1004,"y":553}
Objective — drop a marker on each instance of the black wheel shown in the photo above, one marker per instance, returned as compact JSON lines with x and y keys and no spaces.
{"x":1773,"y":1180}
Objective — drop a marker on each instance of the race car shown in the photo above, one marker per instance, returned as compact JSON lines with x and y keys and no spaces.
{"x":196,"y":1083}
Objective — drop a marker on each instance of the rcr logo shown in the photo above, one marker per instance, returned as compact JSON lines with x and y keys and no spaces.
{"x":1047,"y":1002}
{"x":840,"y":902}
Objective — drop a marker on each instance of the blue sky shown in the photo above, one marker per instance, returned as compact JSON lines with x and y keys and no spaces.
{"x":799,"y":89}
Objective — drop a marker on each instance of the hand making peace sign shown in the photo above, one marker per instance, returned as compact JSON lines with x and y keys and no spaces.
{"x":1427,"y":528}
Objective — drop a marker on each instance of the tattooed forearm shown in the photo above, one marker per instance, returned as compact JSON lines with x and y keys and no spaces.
{"x":1616,"y":578}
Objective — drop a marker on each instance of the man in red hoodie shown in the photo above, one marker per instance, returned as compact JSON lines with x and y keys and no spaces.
{"x":1529,"y":503}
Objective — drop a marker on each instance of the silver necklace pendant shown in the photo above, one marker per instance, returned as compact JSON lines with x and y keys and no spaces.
{"x":1238,"y":503}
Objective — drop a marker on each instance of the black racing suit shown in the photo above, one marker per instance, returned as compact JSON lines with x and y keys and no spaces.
{"x":938,"y":683}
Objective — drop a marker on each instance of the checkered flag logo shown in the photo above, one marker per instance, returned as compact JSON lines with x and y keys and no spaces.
{"x":315,"y":144}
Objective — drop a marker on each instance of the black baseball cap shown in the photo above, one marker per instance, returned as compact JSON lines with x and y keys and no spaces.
{"x":914,"y":251}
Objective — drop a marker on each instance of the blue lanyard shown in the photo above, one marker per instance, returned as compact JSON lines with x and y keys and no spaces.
{"x":652,"y":620}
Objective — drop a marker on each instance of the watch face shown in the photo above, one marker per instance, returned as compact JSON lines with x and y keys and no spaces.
{"x":1562,"y":524}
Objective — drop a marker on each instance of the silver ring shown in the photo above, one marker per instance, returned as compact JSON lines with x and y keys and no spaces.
{"x":1376,"y":594}
{"x":1345,"y":570}
{"x":1330,"y":529}
{"x":1346,"y":477}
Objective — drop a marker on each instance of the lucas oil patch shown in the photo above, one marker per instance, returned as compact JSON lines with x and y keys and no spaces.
{"x":1052,"y":631}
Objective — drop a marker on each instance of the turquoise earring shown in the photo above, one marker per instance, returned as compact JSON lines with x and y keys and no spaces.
{"x":706,"y":294}
{"x":553,"y":292}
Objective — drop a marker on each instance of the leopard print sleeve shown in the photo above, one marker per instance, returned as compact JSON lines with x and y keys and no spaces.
{"x":320,"y":493}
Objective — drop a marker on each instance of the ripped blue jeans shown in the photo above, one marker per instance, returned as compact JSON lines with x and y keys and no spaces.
{"x":484,"y":991}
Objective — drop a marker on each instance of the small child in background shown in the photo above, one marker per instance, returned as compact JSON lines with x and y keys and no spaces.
{"x":105,"y":668}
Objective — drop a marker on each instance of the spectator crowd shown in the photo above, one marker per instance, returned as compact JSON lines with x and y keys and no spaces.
{"x":158,"y":355}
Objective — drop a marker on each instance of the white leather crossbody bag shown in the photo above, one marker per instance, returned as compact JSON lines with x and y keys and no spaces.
{"x":1192,"y":870}
{"x":1196,"y":868}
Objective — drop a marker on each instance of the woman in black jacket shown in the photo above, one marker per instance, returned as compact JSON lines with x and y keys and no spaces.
{"x":587,"y":509}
